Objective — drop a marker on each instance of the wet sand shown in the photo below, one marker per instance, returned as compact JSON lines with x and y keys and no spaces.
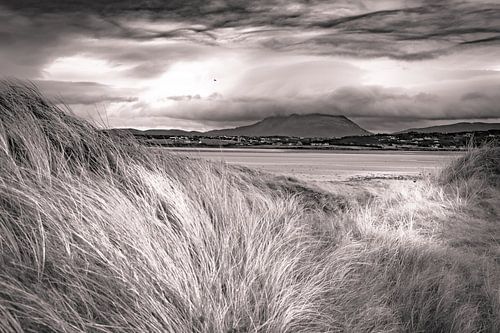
{"x":328,"y":165}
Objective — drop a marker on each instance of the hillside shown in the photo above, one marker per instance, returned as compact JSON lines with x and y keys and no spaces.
{"x":101,"y":234}
{"x":307,"y":125}
{"x":456,"y":128}
{"x":156,"y":132}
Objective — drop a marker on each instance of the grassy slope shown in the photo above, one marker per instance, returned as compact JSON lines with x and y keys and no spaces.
{"x":99,"y":234}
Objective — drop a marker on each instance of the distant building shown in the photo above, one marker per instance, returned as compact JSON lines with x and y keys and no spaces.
{"x":217,"y":142}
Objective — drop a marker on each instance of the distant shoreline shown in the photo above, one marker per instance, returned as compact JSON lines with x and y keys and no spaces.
{"x":270,"y":149}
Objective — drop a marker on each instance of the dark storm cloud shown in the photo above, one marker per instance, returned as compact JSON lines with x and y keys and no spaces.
{"x":413,"y":30}
{"x":30,"y":42}
{"x":184,"y":97}
{"x":474,"y":96}
{"x":140,"y":41}
{"x":415,"y":33}
{"x":26,"y":45}
{"x":147,"y":60}
{"x":83,"y":93}
{"x":382,"y":106}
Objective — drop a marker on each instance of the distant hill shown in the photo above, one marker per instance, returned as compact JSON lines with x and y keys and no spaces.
{"x":456,"y":128}
{"x":170,"y":132}
{"x":307,"y":125}
{"x":157,"y":132}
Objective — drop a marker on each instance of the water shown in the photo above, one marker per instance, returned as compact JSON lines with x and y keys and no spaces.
{"x":324,"y":165}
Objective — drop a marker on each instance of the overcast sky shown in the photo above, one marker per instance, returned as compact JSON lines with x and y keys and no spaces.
{"x":202,"y":64}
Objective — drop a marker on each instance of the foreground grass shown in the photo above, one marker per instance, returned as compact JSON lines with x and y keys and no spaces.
{"x":98,"y":234}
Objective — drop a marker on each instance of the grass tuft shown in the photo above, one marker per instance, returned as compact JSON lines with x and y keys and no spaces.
{"x":482,"y":163}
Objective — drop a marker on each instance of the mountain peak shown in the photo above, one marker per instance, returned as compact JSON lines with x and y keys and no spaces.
{"x":307,"y":115}
{"x":298,"y":125}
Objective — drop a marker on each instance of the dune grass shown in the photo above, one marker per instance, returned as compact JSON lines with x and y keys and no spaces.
{"x":482,"y":163}
{"x":99,"y":234}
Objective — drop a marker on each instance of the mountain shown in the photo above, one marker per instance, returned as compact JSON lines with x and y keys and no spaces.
{"x":170,"y":132}
{"x":456,"y":128}
{"x":306,"y":125}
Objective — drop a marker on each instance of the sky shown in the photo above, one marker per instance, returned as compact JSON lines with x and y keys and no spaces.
{"x":203,"y":64}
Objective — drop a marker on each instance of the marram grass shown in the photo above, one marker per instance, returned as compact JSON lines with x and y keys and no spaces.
{"x":98,"y":234}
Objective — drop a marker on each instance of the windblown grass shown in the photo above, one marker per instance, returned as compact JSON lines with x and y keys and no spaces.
{"x":98,"y":234}
{"x":480,"y":163}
